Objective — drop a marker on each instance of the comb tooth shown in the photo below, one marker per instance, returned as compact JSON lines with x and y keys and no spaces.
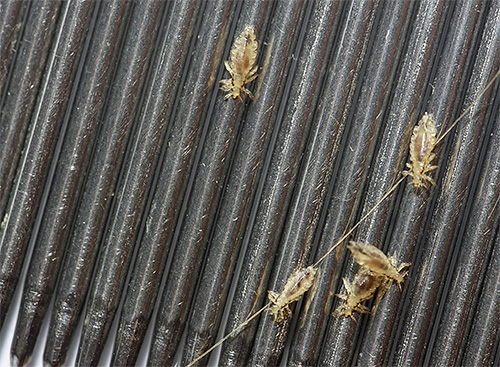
{"x":119,"y":143}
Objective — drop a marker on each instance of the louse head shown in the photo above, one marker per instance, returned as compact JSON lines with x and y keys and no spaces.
{"x":344,"y":310}
{"x":280,"y":314}
{"x":236,"y":93}
{"x":419,"y":181}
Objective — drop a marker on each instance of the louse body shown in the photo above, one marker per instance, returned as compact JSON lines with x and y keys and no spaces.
{"x":422,"y":143}
{"x":242,"y":65}
{"x":377,"y":272}
{"x":299,"y":282}
{"x":373,"y":259}
{"x":363,"y":287}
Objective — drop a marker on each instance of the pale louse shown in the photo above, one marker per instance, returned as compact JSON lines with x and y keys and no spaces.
{"x":377,"y":273}
{"x":242,"y":65}
{"x":423,"y":141}
{"x":362,"y":288}
{"x":373,"y":259}
{"x":299,"y":282}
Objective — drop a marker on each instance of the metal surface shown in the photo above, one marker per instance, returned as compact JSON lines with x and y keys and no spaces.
{"x":280,"y":180}
{"x":441,"y":240}
{"x":19,"y":99}
{"x":100,"y":183}
{"x":242,"y":183}
{"x":151,"y":255}
{"x":317,"y":168}
{"x":11,"y":24}
{"x":414,"y":206}
{"x":207,"y":186}
{"x":483,"y":339}
{"x":351,"y":176}
{"x":119,"y":236}
{"x":197,"y":205}
{"x":26,"y":196}
{"x":461,"y":295}
{"x":65,"y":189}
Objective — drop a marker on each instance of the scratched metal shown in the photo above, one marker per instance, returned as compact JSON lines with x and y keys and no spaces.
{"x":219,"y":201}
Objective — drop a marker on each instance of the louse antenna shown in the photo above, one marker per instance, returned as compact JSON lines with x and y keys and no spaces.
{"x":344,"y":237}
{"x":235,"y":330}
{"x":490,"y":83}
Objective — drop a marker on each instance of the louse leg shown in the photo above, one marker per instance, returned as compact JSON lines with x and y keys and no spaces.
{"x":251,"y":77}
{"x":381,"y":292}
{"x":403,"y":270}
{"x":348,"y":311}
{"x":273,"y":296}
{"x":281,"y":314}
{"x":227,"y":85}
{"x":362,"y":309}
{"x":341,"y":296}
{"x":274,"y":309}
{"x":408,"y":173}
{"x":428,"y":179}
{"x":431,"y":168}
{"x":419,"y":180}
{"x":347,"y":286}
{"x":228,"y":68}
{"x":249,"y":93}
